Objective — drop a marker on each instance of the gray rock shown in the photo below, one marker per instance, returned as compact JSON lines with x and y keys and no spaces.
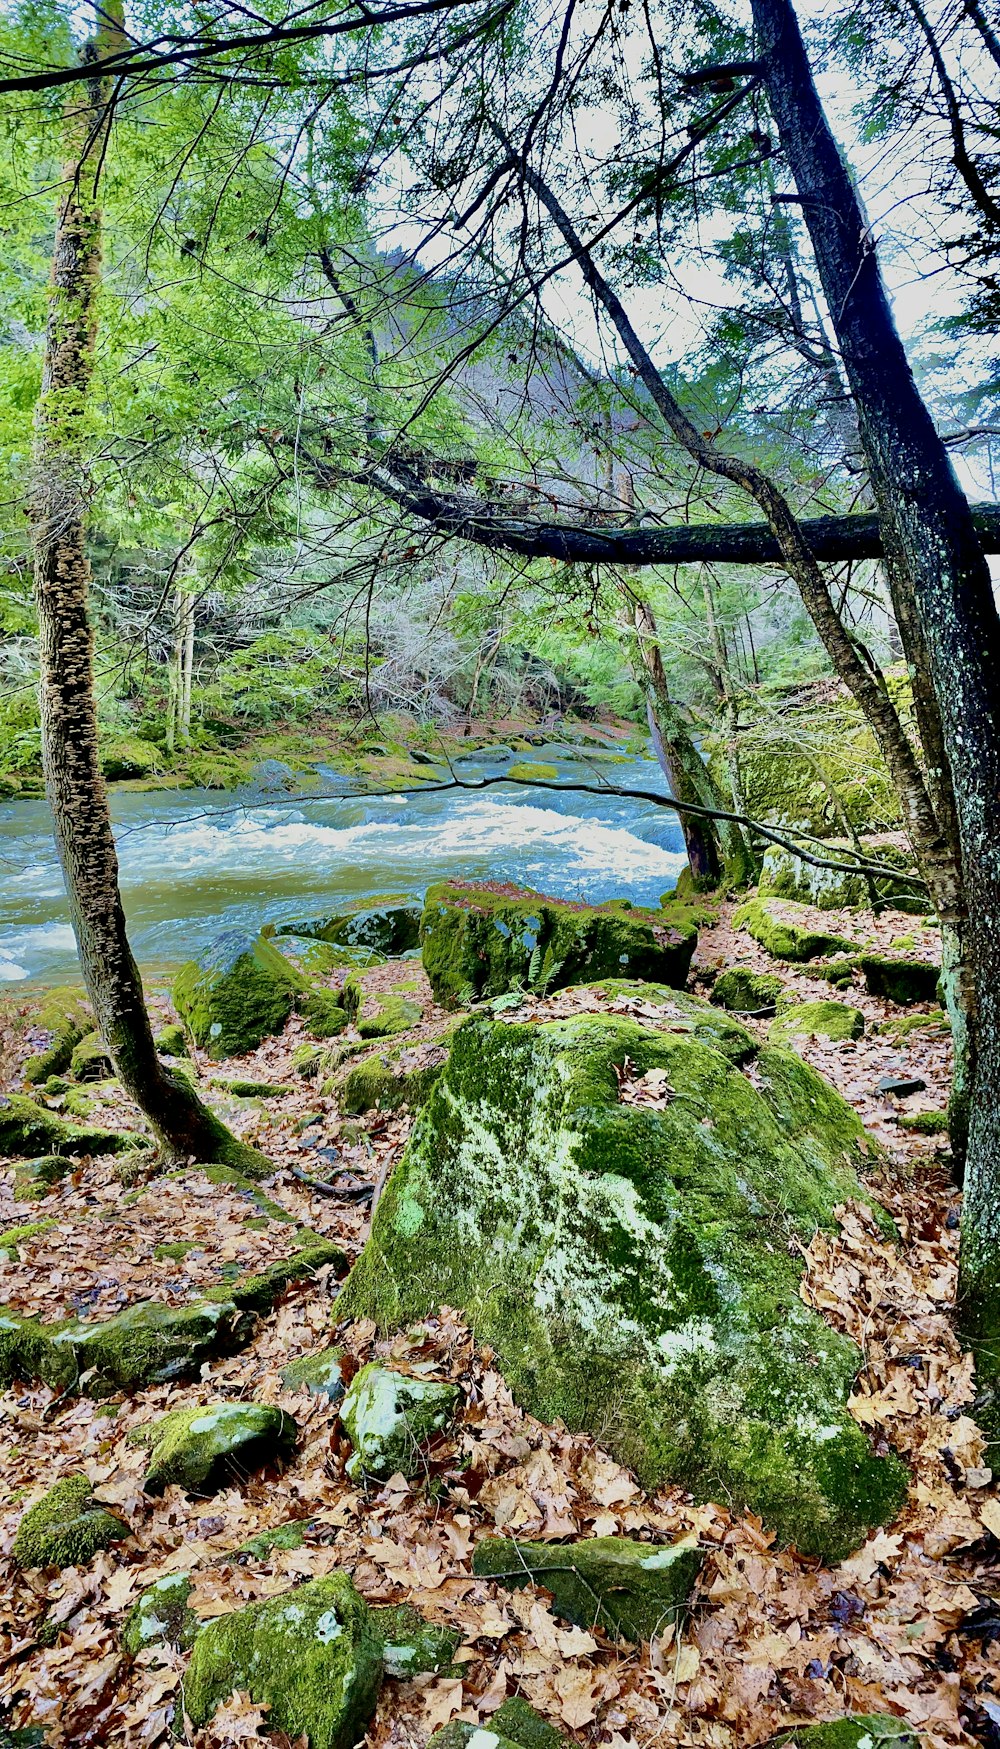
{"x":389,"y":1418}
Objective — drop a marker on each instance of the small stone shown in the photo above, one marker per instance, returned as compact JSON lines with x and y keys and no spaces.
{"x":901,"y":1085}
{"x":746,"y":992}
{"x":91,"y":1060}
{"x":34,"y":1178}
{"x":66,"y":1528}
{"x":460,"y":1735}
{"x":633,"y":1590}
{"x":318,"y":1373}
{"x":206,"y":1448}
{"x":161,"y":1615}
{"x":520,"y":1722}
{"x":412,"y":1646}
{"x":312,"y":1656}
{"x":283,"y":1536}
{"x":833,"y":1020}
{"x":858,"y":1731}
{"x":389,"y":1417}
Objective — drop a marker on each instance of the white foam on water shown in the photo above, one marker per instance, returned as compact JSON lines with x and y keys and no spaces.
{"x":19,"y":947}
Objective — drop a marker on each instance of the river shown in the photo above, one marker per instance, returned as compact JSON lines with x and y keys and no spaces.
{"x":196,"y":862}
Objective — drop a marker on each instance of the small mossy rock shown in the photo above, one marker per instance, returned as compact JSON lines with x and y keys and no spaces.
{"x":77,"y":1104}
{"x":34,"y":1178}
{"x":312,"y":1656}
{"x":746,"y":992}
{"x":412,"y":1646}
{"x":128,"y":756}
{"x":389,"y":1418}
{"x":376,"y":1084}
{"x":536,"y":772}
{"x":924,"y":1123}
{"x":392,"y":1015}
{"x":636,"y":1269}
{"x":15,"y":1237}
{"x":66,"y":1528}
{"x":784,"y":875}
{"x":833,"y":1020}
{"x":858,"y":1731}
{"x":28,"y":1130}
{"x":522,"y":1725}
{"x":324,"y":1015}
{"x":840,"y":972}
{"x":251,"y":1089}
{"x":306,"y":1059}
{"x":461,"y":1735}
{"x":91,"y":1060}
{"x":281,"y":1536}
{"x":171,"y":1041}
{"x":260,"y":1290}
{"x":148,"y":1343}
{"x":388,"y":924}
{"x":789,"y":931}
{"x":239,"y":992}
{"x":904,"y":981}
{"x":901,"y":1026}
{"x":481,"y":941}
{"x":160,"y":1616}
{"x":320,"y":1374}
{"x":65,"y":1016}
{"x":216,"y":1444}
{"x":634,"y":1591}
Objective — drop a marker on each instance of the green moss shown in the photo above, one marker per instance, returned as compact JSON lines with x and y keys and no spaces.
{"x":260,"y":1290}
{"x":787,"y":876}
{"x":313,"y":1656}
{"x":29,"y":1130}
{"x":378,"y":1085}
{"x":77,"y":1104}
{"x":840,"y":972}
{"x":392,"y":1015}
{"x":128,"y":756}
{"x":534,"y":773}
{"x":460,"y":1735}
{"x":161,"y":1615}
{"x":859,"y":1731}
{"x":389,"y":1418}
{"x":900,"y":980}
{"x":412,"y":1646}
{"x":788,"y":931}
{"x":174,"y":1251}
{"x":91,"y":1060}
{"x":636,"y":1268}
{"x":900,"y":1027}
{"x":251,"y":1089}
{"x":240,"y":991}
{"x":208,"y":1447}
{"x":148,"y":1343}
{"x":677,"y":1012}
{"x":520,"y":1723}
{"x":479,"y":942}
{"x":15,"y":1236}
{"x":171,"y":1041}
{"x":833,"y":1020}
{"x":318,"y":1373}
{"x":306,"y":1060}
{"x":323,"y":1013}
{"x":66,"y":1528}
{"x":634,"y":1591}
{"x":284,"y":1536}
{"x":65,"y":1016}
{"x":388,"y":923}
{"x":35,"y":1178}
{"x":924,"y":1123}
{"x":745,"y":991}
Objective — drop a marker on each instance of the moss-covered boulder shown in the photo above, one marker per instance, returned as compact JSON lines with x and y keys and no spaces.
{"x":319,"y":1373}
{"x":389,"y":925}
{"x":617,"y":1210}
{"x":238,"y":992}
{"x":386,"y":1015}
{"x":481,"y":941}
{"x":35,"y":1178}
{"x":836,"y":1020}
{"x":160,"y":1616}
{"x":787,"y":876}
{"x":412,"y":1646}
{"x":91,"y":1060}
{"x":324,"y":1014}
{"x":858,"y":1731}
{"x":789,"y":931}
{"x":379,"y":1083}
{"x":209,"y":1447}
{"x":312,"y":1656}
{"x":390,"y":1418}
{"x":148,"y":1343}
{"x":904,"y":981}
{"x":64,"y":1015}
{"x":66,"y":1528}
{"x":675,"y":1011}
{"x":634,"y":1591}
{"x":520,"y":1723}
{"x":29,"y":1130}
{"x":171,"y":1041}
{"x":746,"y":992}
{"x":13,"y":1238}
{"x":128,"y":756}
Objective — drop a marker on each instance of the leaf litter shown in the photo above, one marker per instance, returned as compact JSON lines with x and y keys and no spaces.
{"x":909,"y":1624}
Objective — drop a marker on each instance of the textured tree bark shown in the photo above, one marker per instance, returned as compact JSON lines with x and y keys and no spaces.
{"x":74,"y":783}
{"x":925,"y":517}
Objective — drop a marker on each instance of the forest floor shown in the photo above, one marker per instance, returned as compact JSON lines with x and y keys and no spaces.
{"x":906,"y":1625}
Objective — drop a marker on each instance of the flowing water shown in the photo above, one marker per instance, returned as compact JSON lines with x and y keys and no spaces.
{"x":200,"y":861}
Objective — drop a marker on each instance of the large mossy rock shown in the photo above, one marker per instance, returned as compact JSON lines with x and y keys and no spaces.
{"x":237,"y":993}
{"x":789,"y":931}
{"x":390,"y":1418}
{"x":148,"y":1343}
{"x":858,"y":1731}
{"x":312,"y":1656}
{"x":903,"y":981}
{"x":388,"y":924}
{"x":634,"y":1591}
{"x":787,"y":876}
{"x":30,"y":1131}
{"x":479,"y":941}
{"x":66,"y":1528}
{"x":208,"y":1447}
{"x":617,"y":1207}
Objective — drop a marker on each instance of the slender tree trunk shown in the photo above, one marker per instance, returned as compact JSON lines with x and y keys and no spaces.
{"x":186,"y":652}
{"x":926,"y":519}
{"x":74,"y":784}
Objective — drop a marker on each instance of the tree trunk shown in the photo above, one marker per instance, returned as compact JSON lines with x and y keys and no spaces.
{"x":74,"y":783}
{"x":186,"y":654}
{"x":926,"y":519}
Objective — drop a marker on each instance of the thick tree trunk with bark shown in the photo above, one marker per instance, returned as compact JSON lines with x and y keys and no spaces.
{"x":926,"y":519}
{"x":74,"y":783}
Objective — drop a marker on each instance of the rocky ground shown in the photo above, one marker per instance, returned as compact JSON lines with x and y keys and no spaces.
{"x":905,"y":1626}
